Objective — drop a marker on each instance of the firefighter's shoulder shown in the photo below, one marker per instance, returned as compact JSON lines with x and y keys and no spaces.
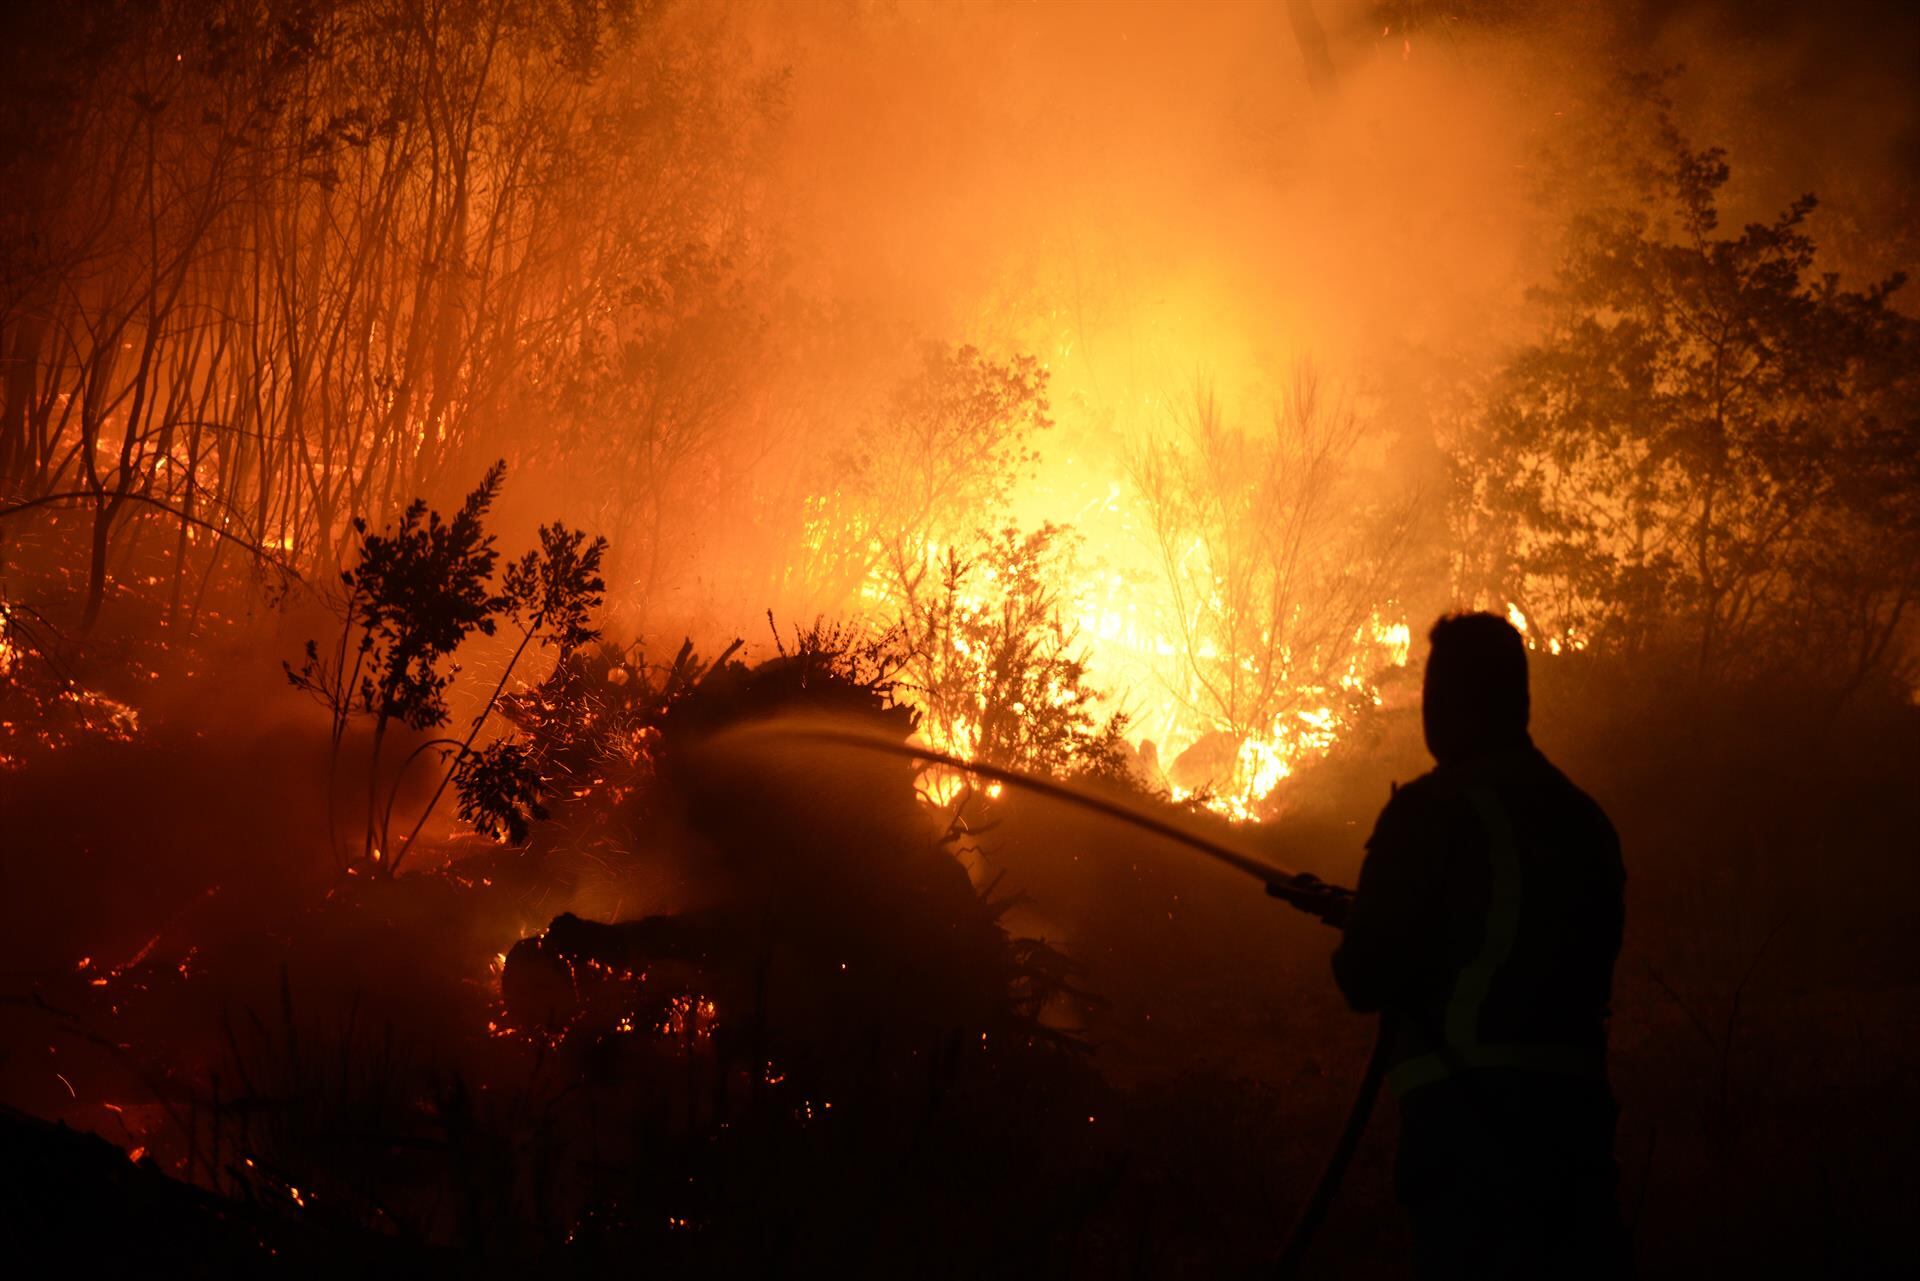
{"x":1576,"y":804}
{"x":1431,"y":789}
{"x":1410,"y":807}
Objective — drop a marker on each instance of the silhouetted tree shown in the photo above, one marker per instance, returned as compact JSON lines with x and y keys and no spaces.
{"x":419,"y":590}
{"x":549,"y":594}
{"x":1711,"y":445}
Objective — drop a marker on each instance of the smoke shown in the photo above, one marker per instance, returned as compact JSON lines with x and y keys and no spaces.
{"x":1148,"y":197}
{"x":1805,"y":98}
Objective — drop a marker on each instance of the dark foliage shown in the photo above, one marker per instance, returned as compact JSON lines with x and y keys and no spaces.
{"x":499,"y":788}
{"x":553,"y":592}
{"x":419,"y":590}
{"x":1711,"y":448}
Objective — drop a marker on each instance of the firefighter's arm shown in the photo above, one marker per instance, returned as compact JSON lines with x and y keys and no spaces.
{"x":1394,"y":928}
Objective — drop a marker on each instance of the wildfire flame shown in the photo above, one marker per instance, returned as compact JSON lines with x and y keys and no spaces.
{"x":1139,"y":670}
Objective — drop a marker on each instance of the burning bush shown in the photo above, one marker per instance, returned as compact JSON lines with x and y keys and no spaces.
{"x":822,"y":877}
{"x":993,"y":664}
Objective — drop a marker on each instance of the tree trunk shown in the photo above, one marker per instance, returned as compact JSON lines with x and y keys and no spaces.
{"x":373,"y":789}
{"x":22,"y":366}
{"x":97,"y":564}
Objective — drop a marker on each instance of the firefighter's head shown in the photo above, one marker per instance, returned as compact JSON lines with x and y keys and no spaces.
{"x":1476,"y":697}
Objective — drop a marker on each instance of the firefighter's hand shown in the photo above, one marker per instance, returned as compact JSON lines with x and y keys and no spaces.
{"x":1314,"y":897}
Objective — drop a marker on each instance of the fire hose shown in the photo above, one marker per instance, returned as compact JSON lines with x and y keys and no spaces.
{"x":1301,"y":890}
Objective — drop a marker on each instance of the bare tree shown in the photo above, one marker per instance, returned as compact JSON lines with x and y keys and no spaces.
{"x":270,"y":269}
{"x":1278,"y":548}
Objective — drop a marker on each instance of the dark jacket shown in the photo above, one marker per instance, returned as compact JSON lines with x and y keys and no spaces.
{"x":1487,"y":921}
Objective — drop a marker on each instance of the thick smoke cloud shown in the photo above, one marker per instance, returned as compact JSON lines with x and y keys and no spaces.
{"x":1147,"y":196}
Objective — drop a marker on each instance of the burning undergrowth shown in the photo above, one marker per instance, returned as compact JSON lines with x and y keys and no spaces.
{"x":44,"y":707}
{"x":826,"y":881}
{"x":804,"y":1018}
{"x":632,"y":1037}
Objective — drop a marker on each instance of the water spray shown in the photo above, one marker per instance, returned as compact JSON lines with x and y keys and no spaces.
{"x":1301,"y":890}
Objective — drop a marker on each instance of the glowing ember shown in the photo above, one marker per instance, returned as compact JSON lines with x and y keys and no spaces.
{"x":688,"y":1016}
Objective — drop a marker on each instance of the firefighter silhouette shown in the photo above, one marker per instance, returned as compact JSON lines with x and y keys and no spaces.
{"x":1484,"y":929}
